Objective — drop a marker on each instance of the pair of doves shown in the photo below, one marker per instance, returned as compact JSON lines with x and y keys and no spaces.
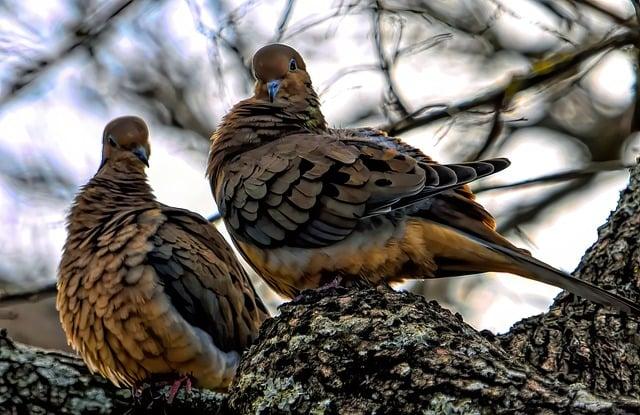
{"x":146,"y":289}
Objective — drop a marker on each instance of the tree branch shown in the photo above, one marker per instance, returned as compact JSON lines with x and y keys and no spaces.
{"x":541,"y":71}
{"x":39,"y":381}
{"x":284,"y":20}
{"x":380,"y":351}
{"x":580,"y":341}
{"x":29,"y":294}
{"x":587,"y":171}
{"x":83,"y":34}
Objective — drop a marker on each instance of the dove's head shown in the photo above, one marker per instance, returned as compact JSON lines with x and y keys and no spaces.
{"x":280,"y":74}
{"x":126,"y":139}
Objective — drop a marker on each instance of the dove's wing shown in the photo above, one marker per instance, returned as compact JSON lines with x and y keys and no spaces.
{"x":455,"y":207}
{"x":311,"y":190}
{"x":204,"y":280}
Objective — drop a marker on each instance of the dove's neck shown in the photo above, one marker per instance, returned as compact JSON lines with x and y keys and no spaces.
{"x":252,"y":123}
{"x":105,"y":202}
{"x":309,"y":109}
{"x":115,"y":187}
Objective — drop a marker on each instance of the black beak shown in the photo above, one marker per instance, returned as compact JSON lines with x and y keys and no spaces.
{"x":141,"y":153}
{"x":273,"y":87}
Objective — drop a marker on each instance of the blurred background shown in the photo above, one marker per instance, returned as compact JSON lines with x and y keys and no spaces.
{"x":551,"y":84}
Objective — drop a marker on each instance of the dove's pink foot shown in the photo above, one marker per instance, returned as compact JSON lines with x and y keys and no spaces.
{"x":175,"y":387}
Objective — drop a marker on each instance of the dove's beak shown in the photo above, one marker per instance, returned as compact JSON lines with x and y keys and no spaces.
{"x":273,"y":87}
{"x":141,"y":153}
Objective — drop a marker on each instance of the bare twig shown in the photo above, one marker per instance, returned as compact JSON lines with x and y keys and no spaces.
{"x":590,"y":169}
{"x":310,"y":23}
{"x":540,"y":72}
{"x":284,"y":20}
{"x":85,"y":33}
{"x":29,"y":295}
{"x":495,"y":131}
{"x":598,"y":7}
{"x":234,"y":42}
{"x":342,"y":73}
{"x":164,"y":88}
{"x":529,"y":211}
{"x":215,"y":217}
{"x":395,"y":100}
{"x":422,"y":45}
{"x":546,"y":28}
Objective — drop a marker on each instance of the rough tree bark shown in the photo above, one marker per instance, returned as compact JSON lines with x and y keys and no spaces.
{"x":381,"y":351}
{"x":36,"y":381}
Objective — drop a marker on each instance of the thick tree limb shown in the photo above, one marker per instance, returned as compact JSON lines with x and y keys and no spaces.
{"x":35,"y":381}
{"x":381,"y":351}
{"x":378,"y":350}
{"x":580,"y":341}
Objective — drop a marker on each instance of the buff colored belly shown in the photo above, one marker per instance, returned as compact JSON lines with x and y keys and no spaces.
{"x":414,"y":251}
{"x":373,"y":256}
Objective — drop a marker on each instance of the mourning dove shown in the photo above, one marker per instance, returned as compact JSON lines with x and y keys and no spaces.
{"x":146,"y":289}
{"x":305,"y":203}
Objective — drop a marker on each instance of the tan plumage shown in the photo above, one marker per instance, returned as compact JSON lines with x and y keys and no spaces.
{"x":146,"y":289}
{"x":305,"y":203}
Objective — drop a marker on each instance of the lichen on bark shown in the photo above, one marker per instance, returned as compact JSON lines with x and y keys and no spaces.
{"x":36,"y":381}
{"x":380,"y":351}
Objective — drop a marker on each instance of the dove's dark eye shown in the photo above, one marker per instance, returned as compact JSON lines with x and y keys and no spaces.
{"x":112,"y":141}
{"x":292,"y":65}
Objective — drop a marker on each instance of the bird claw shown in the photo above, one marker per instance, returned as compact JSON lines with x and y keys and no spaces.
{"x":175,"y":387}
{"x":137,"y":390}
{"x":334,"y":283}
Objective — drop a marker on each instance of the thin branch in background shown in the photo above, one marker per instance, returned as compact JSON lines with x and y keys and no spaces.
{"x":29,"y":295}
{"x":307,"y":24}
{"x":394,"y":100}
{"x":545,"y":28}
{"x":423,"y":45}
{"x":442,"y":131}
{"x":284,"y":20}
{"x":617,"y":19}
{"x":164,"y":88}
{"x":529,"y":211}
{"x":540,"y":72}
{"x":589,"y":170}
{"x":83,"y":34}
{"x":566,"y":11}
{"x":215,"y":217}
{"x":344,"y":72}
{"x":495,"y":131}
{"x":216,"y":38}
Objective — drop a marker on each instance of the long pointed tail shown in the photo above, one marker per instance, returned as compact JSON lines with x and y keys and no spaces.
{"x":537,"y":270}
{"x":471,"y":257}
